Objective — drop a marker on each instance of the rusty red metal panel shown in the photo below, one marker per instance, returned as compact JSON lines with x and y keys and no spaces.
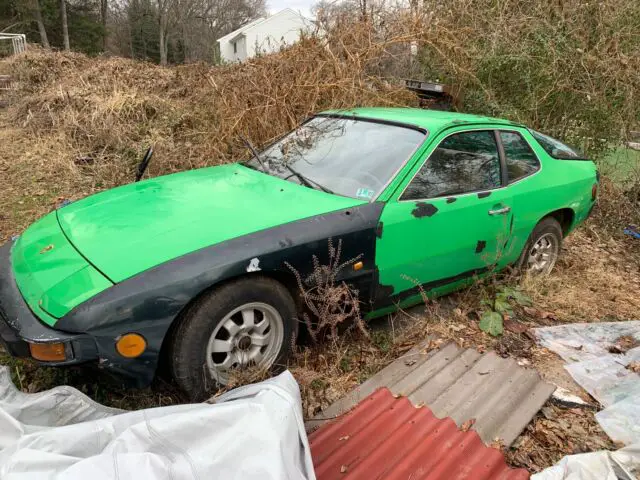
{"x":387,"y":437}
{"x":459,"y":383}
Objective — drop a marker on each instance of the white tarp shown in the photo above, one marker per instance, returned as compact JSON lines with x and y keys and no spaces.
{"x":252,"y":432}
{"x":623,"y":464}
{"x":585,"y":348}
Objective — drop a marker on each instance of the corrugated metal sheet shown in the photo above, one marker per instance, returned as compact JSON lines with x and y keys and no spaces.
{"x":387,"y":437}
{"x":500,"y":395}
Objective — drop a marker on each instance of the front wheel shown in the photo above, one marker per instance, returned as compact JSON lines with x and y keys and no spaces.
{"x":248,"y":322}
{"x":542,"y":249}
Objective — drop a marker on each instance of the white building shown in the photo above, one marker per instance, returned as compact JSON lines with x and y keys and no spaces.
{"x":264,"y":35}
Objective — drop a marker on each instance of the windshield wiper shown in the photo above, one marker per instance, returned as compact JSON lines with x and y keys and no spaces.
{"x":254,"y":151}
{"x":307,"y":181}
{"x":304,"y":180}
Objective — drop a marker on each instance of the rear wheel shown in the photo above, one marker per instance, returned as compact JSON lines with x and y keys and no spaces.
{"x":248,"y":322}
{"x":542,"y":249}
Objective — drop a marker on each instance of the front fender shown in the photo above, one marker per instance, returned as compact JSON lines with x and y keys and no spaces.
{"x":149,"y":302}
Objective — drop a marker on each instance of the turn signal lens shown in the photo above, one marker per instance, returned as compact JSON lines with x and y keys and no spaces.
{"x":131,"y":345}
{"x":48,"y":352}
{"x":594,"y":191}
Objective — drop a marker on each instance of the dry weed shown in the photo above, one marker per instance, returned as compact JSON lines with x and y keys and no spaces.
{"x":330,"y":301}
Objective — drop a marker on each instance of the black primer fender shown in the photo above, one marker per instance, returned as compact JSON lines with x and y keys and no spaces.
{"x":149,"y":302}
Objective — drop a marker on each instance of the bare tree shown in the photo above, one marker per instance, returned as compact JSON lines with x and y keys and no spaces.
{"x":37,"y":13}
{"x":182,"y":29}
{"x":165,"y":22}
{"x":104,"y":7}
{"x":65,"y":27}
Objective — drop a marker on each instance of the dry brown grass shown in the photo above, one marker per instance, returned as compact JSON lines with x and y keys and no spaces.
{"x":597,"y":279}
{"x":76,"y":125}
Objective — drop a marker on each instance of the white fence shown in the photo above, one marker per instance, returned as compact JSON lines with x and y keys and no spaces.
{"x":18,"y":41}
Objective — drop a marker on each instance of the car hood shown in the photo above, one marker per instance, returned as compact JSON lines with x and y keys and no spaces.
{"x":132,"y":228}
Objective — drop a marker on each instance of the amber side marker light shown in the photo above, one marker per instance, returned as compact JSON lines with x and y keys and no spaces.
{"x":48,"y":352}
{"x":131,"y":345}
{"x":358,"y":266}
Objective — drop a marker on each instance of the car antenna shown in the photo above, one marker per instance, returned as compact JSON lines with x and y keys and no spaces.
{"x":253,"y":150}
{"x":142,"y":166}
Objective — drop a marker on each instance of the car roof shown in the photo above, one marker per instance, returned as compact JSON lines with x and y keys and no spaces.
{"x":431,"y":120}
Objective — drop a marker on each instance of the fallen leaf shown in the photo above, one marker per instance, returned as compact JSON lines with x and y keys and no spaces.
{"x":549,"y":315}
{"x":466,"y":426}
{"x":623,"y":344}
{"x":408,"y":363}
{"x":343,"y":469}
{"x":346,"y":437}
{"x":497,"y":443}
{"x":515,"y":327}
{"x":634,"y":367}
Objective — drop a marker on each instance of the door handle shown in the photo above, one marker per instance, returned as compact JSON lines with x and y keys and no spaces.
{"x":500,"y":211}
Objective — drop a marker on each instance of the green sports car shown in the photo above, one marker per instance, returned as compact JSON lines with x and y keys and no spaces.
{"x":190,"y":267}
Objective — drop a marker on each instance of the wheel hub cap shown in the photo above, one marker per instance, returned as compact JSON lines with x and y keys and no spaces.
{"x":543,"y":254}
{"x":251,"y":334}
{"x":244,"y":343}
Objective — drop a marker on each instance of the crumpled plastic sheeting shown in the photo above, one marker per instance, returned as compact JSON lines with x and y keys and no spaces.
{"x":623,"y":464}
{"x":58,"y":406}
{"x":606,"y":378}
{"x":252,"y":432}
{"x":585,"y":348}
{"x":621,"y":421}
{"x":577,"y":342}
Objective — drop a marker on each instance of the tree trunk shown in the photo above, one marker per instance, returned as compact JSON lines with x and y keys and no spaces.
{"x":163,"y":43}
{"x":65,"y":27}
{"x":44,"y":40}
{"x":103,"y":18}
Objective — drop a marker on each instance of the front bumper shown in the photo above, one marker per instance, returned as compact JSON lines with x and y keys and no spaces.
{"x":19,"y":326}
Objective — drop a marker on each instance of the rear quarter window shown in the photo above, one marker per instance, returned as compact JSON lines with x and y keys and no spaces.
{"x":520,"y":160}
{"x":557,"y":149}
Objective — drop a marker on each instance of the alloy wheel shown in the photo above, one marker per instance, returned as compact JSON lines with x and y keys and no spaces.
{"x":543,"y":255}
{"x":250,"y":335}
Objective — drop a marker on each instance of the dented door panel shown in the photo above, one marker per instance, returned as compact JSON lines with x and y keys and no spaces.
{"x":439,"y":241}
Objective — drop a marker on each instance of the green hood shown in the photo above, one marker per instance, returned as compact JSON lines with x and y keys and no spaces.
{"x":58,"y":261}
{"x":135,"y":227}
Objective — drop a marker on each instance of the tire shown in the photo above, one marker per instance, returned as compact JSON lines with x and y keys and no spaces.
{"x":211,"y":337}
{"x":549,"y":230}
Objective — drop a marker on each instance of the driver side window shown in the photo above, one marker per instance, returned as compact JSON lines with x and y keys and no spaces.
{"x":462,"y":163}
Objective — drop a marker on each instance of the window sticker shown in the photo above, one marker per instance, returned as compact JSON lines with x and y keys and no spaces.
{"x":365,"y":193}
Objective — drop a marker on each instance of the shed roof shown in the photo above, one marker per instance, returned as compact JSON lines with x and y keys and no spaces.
{"x":245,"y":28}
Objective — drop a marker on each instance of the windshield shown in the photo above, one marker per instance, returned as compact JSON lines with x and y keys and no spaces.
{"x":556,"y":148}
{"x":349,"y":157}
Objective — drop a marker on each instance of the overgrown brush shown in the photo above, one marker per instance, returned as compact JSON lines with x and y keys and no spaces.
{"x":81,"y":124}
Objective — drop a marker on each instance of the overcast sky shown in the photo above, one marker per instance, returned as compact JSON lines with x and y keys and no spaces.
{"x":304,"y":6}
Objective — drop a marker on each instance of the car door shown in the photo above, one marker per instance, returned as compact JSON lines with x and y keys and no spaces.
{"x":529,"y":192}
{"x":448,"y":221}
